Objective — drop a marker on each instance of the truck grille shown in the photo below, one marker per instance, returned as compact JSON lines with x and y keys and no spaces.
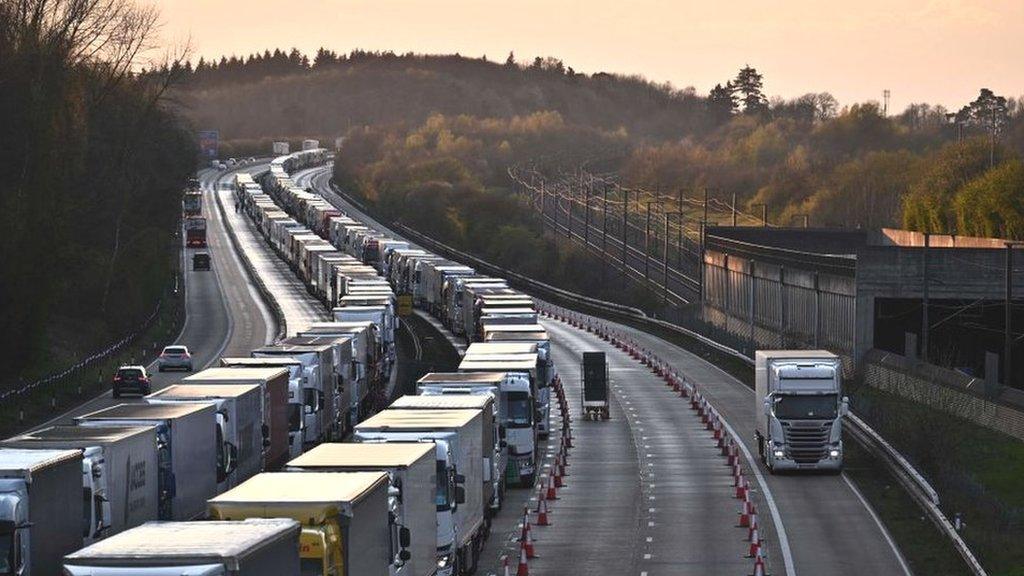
{"x":807,"y":442}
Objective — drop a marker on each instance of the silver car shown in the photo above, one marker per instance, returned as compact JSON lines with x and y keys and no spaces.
{"x":175,"y":358}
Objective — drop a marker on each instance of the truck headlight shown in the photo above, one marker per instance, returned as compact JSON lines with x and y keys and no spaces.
{"x":779,"y":453}
{"x":833,"y":453}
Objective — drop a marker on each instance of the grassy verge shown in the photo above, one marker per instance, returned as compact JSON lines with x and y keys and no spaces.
{"x":49,"y":400}
{"x":977,"y":472}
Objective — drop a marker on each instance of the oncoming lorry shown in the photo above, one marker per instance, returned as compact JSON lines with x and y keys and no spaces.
{"x":40,"y":509}
{"x":118,"y":473}
{"x":249,"y":548}
{"x":413,"y":479}
{"x":457,"y":434}
{"x":346,"y":528}
{"x":799,"y":406}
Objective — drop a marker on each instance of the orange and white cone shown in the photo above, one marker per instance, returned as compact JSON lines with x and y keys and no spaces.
{"x":505,"y":570}
{"x":526,"y":538}
{"x":542,"y":513}
{"x":759,"y":569}
{"x":741,"y":487}
{"x":524,"y":568}
{"x":753,"y":526}
{"x":745,"y":512}
{"x":755,"y":545}
{"x":551,"y":493}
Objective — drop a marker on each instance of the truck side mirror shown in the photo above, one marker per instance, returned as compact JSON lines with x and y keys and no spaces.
{"x":846,"y":406}
{"x":502,"y":444}
{"x":404,"y":538}
{"x":460,"y":495}
{"x":460,"y":479}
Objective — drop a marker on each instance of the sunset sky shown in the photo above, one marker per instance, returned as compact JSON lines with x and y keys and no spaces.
{"x":939,"y":51}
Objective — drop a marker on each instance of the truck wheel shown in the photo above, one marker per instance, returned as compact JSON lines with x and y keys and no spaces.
{"x":528,"y":481}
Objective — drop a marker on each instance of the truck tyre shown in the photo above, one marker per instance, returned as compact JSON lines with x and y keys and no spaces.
{"x":116,"y":392}
{"x":527,"y":481}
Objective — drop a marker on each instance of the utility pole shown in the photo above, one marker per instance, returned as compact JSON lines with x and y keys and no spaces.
{"x":705,"y":205}
{"x":543,"y":208}
{"x":586,"y":216}
{"x":604,"y":228}
{"x":625,"y":234}
{"x":647,"y":243}
{"x":1008,"y":319}
{"x":764,"y":214}
{"x":678,"y":213}
{"x":924,"y":297}
{"x":734,"y":209}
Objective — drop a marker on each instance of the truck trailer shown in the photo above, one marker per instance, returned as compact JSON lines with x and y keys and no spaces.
{"x":346,"y":527}
{"x":249,"y":548}
{"x":40,"y":509}
{"x":118,"y":474}
{"x":187,"y":446}
{"x":285,"y":421}
{"x":466,"y":528}
{"x":414,"y":482}
{"x":799,"y":407}
{"x":239,"y":425}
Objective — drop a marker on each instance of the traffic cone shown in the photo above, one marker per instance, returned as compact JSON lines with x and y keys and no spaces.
{"x":734,"y":456}
{"x":504,"y":566}
{"x":524,"y":568}
{"x":558,"y":477}
{"x":568,"y":439}
{"x":542,"y":514}
{"x":755,"y":544}
{"x":741,"y":487}
{"x":759,"y":569}
{"x":745,"y":511}
{"x":526,"y":538}
{"x":551,"y":493}
{"x":737,"y":471}
{"x":753,"y":525}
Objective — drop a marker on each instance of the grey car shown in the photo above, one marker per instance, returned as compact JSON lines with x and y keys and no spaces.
{"x":175,"y":358}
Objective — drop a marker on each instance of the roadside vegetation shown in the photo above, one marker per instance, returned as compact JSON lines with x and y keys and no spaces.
{"x":93,"y":166}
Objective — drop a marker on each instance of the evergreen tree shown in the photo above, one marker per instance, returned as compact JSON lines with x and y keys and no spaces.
{"x":722,"y":102}
{"x":511,"y":60}
{"x":749,"y":84}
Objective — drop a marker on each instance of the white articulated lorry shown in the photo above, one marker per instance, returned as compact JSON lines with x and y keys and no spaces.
{"x":250,"y":548}
{"x":413,"y":476}
{"x":799,"y":406}
{"x":118,"y":473}
{"x":284,"y":417}
{"x":346,"y":526}
{"x":239,"y":425}
{"x":186,"y":436}
{"x":40,"y":509}
{"x":494,"y":459}
{"x":460,"y":534}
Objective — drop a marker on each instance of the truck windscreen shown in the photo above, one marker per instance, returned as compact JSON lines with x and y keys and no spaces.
{"x":520,"y":410}
{"x":441,"y":491}
{"x":791,"y":407}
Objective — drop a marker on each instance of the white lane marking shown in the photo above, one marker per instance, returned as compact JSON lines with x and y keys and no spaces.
{"x":787,"y":554}
{"x":878,"y":522}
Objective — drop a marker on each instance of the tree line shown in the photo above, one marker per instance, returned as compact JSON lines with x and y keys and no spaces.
{"x":93,"y":169}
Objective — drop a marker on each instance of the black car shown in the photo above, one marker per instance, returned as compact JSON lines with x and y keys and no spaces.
{"x":131,"y":379}
{"x":201,"y":261}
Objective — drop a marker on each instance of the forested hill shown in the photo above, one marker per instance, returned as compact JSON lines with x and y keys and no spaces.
{"x":842,"y":164}
{"x":279,"y":94}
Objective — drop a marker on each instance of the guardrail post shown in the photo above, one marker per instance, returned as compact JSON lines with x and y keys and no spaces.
{"x":753,"y":303}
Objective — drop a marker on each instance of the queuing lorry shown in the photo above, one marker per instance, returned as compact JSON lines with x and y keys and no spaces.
{"x":495,"y":459}
{"x":186,"y":444}
{"x":274,"y":382}
{"x":799,"y":407}
{"x":413,"y":479}
{"x":310,"y":144}
{"x":249,"y":548}
{"x":279,"y":148}
{"x":239,"y":425}
{"x":118,"y":473}
{"x":40,"y":509}
{"x":522,"y":410}
{"x":195,"y":232}
{"x":542,"y":373}
{"x":512,"y":408}
{"x":318,"y":386}
{"x":287,"y":417}
{"x":192,"y":203}
{"x":382,"y":316}
{"x":464,"y":530}
{"x":367,"y":366}
{"x":346,"y":527}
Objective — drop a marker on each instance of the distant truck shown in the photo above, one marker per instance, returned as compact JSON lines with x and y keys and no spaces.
{"x":118,"y":476}
{"x":595,"y":386}
{"x":249,"y":548}
{"x":195,"y":232}
{"x":310,"y":144}
{"x":192,"y":203}
{"x":239,"y":425}
{"x":40,"y":509}
{"x":186,"y":451}
{"x":280,"y":148}
{"x":413,"y":478}
{"x":346,"y":524}
{"x":465,"y":527}
{"x":799,"y":407}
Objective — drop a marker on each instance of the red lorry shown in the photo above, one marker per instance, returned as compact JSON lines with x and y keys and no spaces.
{"x":195,"y":232}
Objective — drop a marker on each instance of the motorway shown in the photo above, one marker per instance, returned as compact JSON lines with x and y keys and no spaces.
{"x":650,"y":496}
{"x":224,"y":314}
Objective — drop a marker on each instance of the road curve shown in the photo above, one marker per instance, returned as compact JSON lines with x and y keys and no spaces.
{"x":224,"y":314}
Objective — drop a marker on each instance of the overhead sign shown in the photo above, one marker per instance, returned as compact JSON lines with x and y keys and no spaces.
{"x":208,"y":143}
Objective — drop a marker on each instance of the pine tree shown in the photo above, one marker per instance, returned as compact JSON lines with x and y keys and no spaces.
{"x":511,"y":60}
{"x":722,"y":102}
{"x":749,"y":85}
